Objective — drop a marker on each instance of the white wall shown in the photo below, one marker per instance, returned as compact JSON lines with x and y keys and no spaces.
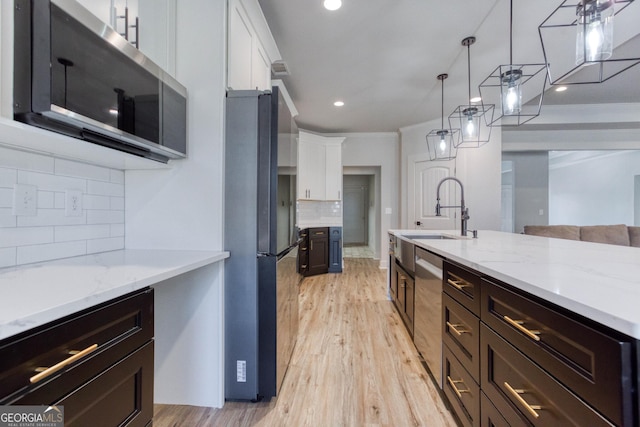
{"x":603,"y":193}
{"x":181,"y":208}
{"x":381,"y":150}
{"x":479,"y":169}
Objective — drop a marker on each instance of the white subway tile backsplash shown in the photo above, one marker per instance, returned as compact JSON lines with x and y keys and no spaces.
{"x":23,"y":160}
{"x":51,"y":234}
{"x":17,"y":236}
{"x":81,"y":170}
{"x":105,"y":217}
{"x":104,"y":245}
{"x":117,"y":203}
{"x":7,"y":257}
{"x":91,"y":201}
{"x":81,"y":232}
{"x":106,"y":189}
{"x":8,"y":177}
{"x":45,"y":181}
{"x":38,"y":253}
{"x":117,"y":230}
{"x":46,"y":199}
{"x":51,"y":217}
{"x":6,"y":198}
{"x":7,"y":218}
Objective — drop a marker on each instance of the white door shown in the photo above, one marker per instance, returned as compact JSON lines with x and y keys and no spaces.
{"x":423,"y":179}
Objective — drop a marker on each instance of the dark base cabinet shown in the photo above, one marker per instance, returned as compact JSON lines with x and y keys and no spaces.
{"x":314,"y":251}
{"x":110,"y":385}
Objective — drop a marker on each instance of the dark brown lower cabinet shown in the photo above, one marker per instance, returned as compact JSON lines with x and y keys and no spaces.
{"x":489,"y":415}
{"x":111,"y":384}
{"x":461,"y":389}
{"x":318,"y":251}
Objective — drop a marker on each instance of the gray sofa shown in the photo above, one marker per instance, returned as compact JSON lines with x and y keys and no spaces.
{"x":619,"y":234}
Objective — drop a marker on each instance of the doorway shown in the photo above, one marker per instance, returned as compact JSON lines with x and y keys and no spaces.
{"x":356,"y":215}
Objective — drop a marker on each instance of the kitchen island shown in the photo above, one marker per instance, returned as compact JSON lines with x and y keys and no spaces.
{"x":535,"y":330}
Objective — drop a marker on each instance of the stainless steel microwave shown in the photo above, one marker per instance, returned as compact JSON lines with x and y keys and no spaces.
{"x":75,"y":75}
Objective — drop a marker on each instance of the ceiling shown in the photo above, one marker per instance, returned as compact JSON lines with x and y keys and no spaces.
{"x":381,"y":57}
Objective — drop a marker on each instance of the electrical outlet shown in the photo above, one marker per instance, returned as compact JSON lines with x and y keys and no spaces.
{"x":73,"y":203}
{"x":241,"y":371}
{"x":25,"y":200}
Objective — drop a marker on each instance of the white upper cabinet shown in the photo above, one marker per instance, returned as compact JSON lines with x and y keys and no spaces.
{"x":319,"y":167}
{"x":251,"y":47}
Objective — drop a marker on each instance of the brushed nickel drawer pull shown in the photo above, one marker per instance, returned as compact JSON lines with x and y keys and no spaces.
{"x":518,"y":325}
{"x":516,"y":394}
{"x":455,"y":329}
{"x":455,"y":388}
{"x":458,"y":284}
{"x":45,"y":372}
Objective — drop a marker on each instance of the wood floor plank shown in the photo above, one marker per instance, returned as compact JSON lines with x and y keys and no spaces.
{"x":353,"y":365}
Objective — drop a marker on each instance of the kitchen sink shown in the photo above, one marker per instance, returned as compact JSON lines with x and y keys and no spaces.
{"x":427,"y":236}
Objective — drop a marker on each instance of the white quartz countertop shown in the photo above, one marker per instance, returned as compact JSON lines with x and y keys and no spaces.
{"x":598,"y":281}
{"x":34,"y":294}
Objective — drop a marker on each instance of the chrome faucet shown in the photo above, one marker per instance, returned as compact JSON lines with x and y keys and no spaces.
{"x":464,"y":211}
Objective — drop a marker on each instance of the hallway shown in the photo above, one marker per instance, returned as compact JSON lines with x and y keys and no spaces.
{"x":354,"y":364}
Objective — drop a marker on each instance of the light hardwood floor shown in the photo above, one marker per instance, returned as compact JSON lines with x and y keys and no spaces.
{"x":354,"y":365}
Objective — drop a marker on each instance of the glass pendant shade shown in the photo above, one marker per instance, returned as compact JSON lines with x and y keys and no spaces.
{"x":578,"y":44}
{"x":594,"y":36}
{"x":442,"y":143}
{"x":517,"y":88}
{"x":472,"y":119}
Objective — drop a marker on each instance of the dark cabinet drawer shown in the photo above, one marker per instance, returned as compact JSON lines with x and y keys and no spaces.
{"x":463,"y":285}
{"x":461,"y":333}
{"x":510,"y":379}
{"x":121,"y":395}
{"x":319,"y":232}
{"x":595,"y":366}
{"x":406,"y":296}
{"x":117,"y":328}
{"x":461,"y":390}
{"x":491,"y":417}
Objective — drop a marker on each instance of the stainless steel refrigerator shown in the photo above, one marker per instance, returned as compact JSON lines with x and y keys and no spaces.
{"x":261,"y":278}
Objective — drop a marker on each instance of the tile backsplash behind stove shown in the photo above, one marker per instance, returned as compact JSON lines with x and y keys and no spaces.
{"x":78,"y":208}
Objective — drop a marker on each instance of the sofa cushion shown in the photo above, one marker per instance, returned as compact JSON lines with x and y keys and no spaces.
{"x":611,"y":234}
{"x":570,"y":232}
{"x":634,"y":236}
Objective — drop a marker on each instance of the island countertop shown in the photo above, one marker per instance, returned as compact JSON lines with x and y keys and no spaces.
{"x":598,"y":281}
{"x":35,"y":294}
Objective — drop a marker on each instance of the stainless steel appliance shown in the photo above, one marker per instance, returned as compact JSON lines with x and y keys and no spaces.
{"x":74,"y":74}
{"x":427,"y":331}
{"x":261,"y":278}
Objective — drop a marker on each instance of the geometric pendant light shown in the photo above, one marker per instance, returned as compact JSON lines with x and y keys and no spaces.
{"x":441,"y":143}
{"x":472,"y":119}
{"x":512,"y":85}
{"x":578,"y":41}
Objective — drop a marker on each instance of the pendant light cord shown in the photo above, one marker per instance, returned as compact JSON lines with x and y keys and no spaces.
{"x":442,"y":106}
{"x":511,"y":33}
{"x":469,"y":69}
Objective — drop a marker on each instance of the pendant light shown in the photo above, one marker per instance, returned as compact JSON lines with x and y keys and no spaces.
{"x":511,"y":84}
{"x":441,"y":143}
{"x":583,"y":31}
{"x":473,"y":119}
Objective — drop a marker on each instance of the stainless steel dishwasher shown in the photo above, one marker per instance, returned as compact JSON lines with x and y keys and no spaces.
{"x":427,"y":330}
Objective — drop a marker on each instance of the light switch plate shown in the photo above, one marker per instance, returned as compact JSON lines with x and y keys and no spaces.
{"x":73,"y":203}
{"x":25,"y":200}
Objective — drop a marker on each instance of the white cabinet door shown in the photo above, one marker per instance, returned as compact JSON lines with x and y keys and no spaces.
{"x":333,"y":172}
{"x":240,"y":46}
{"x":311,"y":170}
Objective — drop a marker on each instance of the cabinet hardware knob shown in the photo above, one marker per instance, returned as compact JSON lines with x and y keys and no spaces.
{"x":45,"y":372}
{"x":455,"y":329}
{"x":516,"y":394}
{"x":458,"y":284}
{"x":518,"y":325}
{"x":455,"y":388}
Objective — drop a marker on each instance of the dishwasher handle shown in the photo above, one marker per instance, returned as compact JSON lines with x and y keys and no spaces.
{"x":434,"y":270}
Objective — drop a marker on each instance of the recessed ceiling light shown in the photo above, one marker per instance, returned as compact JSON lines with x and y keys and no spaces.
{"x":332,"y":4}
{"x":113,"y":111}
{"x":338,"y":103}
{"x":476,"y":99}
{"x":561,"y":88}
